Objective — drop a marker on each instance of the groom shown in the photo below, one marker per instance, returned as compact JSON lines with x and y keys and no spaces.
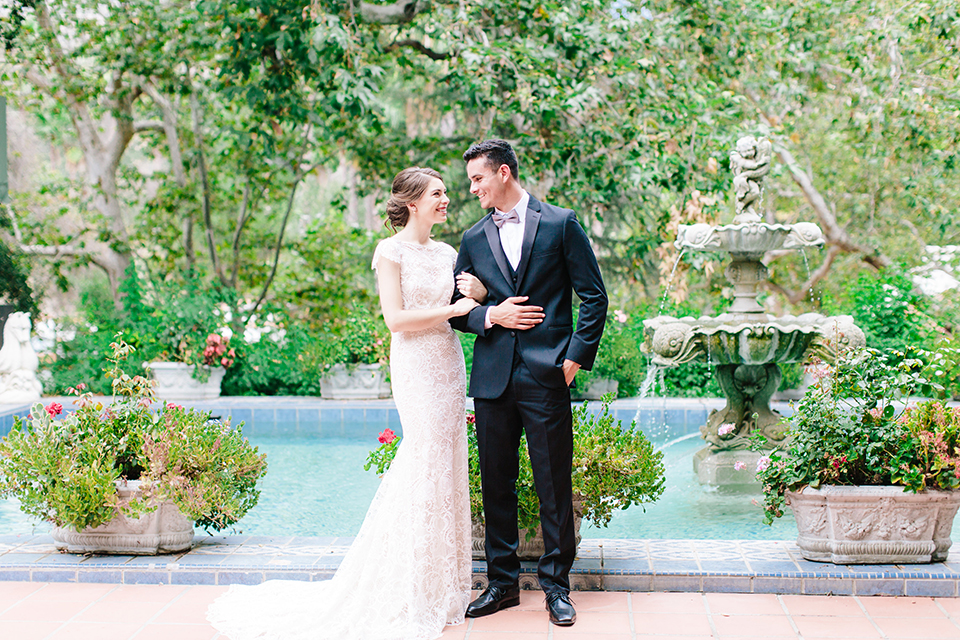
{"x":531,"y":256}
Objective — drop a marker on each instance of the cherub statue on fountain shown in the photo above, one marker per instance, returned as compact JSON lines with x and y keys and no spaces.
{"x":750,"y":161}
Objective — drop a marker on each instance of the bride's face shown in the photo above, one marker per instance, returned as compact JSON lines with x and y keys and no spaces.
{"x":432,"y":205}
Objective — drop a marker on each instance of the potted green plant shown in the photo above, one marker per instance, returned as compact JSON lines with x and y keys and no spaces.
{"x":125,"y":478}
{"x":619,"y":367}
{"x":194,"y":369}
{"x":355,"y":358}
{"x":870,"y":475}
{"x":613,"y":468}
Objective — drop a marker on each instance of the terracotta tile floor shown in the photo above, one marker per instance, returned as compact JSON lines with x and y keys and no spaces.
{"x":64,"y":611}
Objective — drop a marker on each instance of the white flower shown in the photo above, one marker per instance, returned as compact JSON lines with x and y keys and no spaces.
{"x":726,"y":428}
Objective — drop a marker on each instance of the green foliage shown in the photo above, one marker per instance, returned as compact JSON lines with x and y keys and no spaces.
{"x":889,"y":310}
{"x":286,"y":361}
{"x":383,"y":456}
{"x":848,"y":429}
{"x":14,"y":288}
{"x":204,"y":466}
{"x":164,"y":321}
{"x":64,"y":470}
{"x":362,"y":338}
{"x":613,"y":468}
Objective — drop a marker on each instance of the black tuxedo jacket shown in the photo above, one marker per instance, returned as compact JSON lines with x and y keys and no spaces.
{"x":556,"y":259}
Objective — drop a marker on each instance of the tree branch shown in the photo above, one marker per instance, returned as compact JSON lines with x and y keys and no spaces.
{"x":828,"y":221}
{"x":147,"y":125}
{"x":298,"y":177}
{"x":422,"y":48}
{"x":205,"y":183}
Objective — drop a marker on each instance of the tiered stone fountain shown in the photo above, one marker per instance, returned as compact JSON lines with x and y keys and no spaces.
{"x":745,"y":345}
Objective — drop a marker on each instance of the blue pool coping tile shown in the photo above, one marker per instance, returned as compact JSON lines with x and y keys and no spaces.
{"x":632,"y":565}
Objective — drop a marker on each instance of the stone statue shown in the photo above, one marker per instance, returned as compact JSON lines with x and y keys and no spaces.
{"x":751,"y":162}
{"x":18,"y":362}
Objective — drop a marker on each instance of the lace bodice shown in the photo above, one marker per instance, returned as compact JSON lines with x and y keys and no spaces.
{"x":426,"y":271}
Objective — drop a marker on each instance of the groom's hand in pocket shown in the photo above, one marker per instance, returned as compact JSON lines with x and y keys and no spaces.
{"x":513,"y":315}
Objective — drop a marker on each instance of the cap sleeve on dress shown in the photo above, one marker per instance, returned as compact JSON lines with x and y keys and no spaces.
{"x":452,"y":253}
{"x":388,"y":249}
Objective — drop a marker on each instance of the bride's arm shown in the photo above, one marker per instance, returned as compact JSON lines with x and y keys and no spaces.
{"x":400,"y":319}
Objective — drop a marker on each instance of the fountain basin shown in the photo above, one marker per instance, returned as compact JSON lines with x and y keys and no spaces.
{"x":748,"y":240}
{"x":729,"y":339}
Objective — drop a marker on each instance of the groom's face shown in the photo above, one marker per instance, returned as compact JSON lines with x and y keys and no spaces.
{"x":486,"y":183}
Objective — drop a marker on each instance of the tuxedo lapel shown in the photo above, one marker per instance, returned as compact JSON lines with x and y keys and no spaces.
{"x":493,"y":239}
{"x":530,"y":225}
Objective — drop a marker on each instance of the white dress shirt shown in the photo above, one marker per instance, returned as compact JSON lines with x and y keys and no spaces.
{"x":511,"y":239}
{"x":511,"y":235}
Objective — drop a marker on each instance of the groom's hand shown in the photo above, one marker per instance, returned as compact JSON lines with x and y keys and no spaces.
{"x":512,"y":315}
{"x":570,"y":369}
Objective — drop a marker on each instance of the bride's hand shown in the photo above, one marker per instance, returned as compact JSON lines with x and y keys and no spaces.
{"x":471,"y":287}
{"x":463,"y":306}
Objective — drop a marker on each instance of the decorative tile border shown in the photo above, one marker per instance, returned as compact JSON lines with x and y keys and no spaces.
{"x":727,"y":566}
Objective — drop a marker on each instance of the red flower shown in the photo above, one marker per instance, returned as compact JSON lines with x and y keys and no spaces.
{"x":387,"y":436}
{"x":54,"y":409}
{"x":471,"y":418}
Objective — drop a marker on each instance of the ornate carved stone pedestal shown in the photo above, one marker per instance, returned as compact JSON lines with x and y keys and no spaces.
{"x":873,"y":525}
{"x":175,"y":381}
{"x":164,"y":530}
{"x":355,"y":382}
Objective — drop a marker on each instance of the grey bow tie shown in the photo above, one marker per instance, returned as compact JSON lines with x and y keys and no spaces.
{"x":500,"y":218}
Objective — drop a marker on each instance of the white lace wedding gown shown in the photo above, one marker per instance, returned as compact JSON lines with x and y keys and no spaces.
{"x":407,"y":574}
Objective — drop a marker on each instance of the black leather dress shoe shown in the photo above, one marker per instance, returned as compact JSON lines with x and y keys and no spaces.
{"x":561,"y":609}
{"x":492,"y":600}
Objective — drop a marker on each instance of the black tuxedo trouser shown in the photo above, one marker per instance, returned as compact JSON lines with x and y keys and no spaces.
{"x":544,"y":415}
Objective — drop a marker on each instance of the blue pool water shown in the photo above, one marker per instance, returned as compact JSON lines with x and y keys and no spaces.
{"x":317,"y":487}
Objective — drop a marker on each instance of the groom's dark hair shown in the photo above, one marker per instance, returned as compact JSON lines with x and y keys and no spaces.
{"x":496,"y":152}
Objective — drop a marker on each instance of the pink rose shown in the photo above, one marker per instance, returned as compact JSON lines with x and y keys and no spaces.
{"x":387,"y":436}
{"x":54,"y":409}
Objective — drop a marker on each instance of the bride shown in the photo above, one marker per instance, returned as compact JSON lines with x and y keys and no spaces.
{"x":407,"y":574}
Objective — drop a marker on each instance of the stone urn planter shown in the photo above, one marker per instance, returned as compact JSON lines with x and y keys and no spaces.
{"x":175,"y":381}
{"x":355,"y":382}
{"x":530,"y":549}
{"x":873,"y":524}
{"x":163,"y":530}
{"x":596,"y":388}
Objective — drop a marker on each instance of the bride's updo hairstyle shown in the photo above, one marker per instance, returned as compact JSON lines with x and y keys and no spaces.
{"x":409,"y":186}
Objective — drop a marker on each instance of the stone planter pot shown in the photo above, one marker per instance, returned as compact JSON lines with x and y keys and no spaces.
{"x":355,"y":382}
{"x":164,"y":530}
{"x":596,"y":388}
{"x":873,"y":525}
{"x":530,"y":549}
{"x":175,"y":381}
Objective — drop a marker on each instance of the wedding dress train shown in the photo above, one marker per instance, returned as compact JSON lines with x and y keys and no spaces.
{"x":407,"y":574}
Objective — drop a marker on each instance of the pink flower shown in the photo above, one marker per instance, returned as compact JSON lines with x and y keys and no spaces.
{"x":739,"y":465}
{"x":81,"y":386}
{"x":471,"y":419}
{"x":726,"y":428}
{"x":387,"y":436}
{"x":620,"y":316}
{"x":54,"y":409}
{"x":876,"y":413}
{"x":379,"y":343}
{"x":171,"y":406}
{"x":763,"y":463}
